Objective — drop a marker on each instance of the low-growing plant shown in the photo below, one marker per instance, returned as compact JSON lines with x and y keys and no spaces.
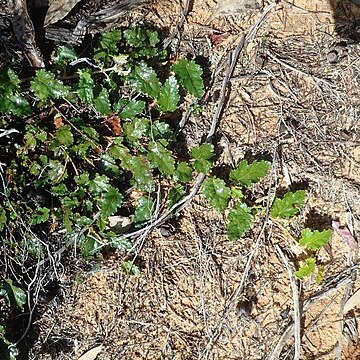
{"x":229,"y":197}
{"x":96,"y":142}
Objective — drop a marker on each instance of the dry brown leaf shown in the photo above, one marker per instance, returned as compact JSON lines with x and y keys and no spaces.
{"x":58,"y":9}
{"x":352,"y":301}
{"x":91,"y":354}
{"x":345,"y":234}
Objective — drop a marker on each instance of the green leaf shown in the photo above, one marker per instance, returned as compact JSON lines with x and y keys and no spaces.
{"x":289,"y":205}
{"x":144,"y":79}
{"x":120,"y":243}
{"x":216,"y":192}
{"x":64,"y":135}
{"x":140,"y":37}
{"x":108,"y":45}
{"x":183,"y":172}
{"x":161,"y":158}
{"x":60,"y":190}
{"x":143,"y":210}
{"x":236,"y":193}
{"x":136,"y":129}
{"x":11,"y":101}
{"x":247,"y":174}
{"x":132,"y":108}
{"x":14,"y":104}
{"x":102,"y":102}
{"x":140,"y":169}
{"x":41,"y":215}
{"x":239,"y":221}
{"x":307,"y":269}
{"x":85,"y":86}
{"x":14,"y":295}
{"x":142,"y":41}
{"x":3,"y":218}
{"x":90,"y":246}
{"x":64,"y":55}
{"x":46,"y":87}
{"x":314,"y":240}
{"x":110,"y":201}
{"x":169,"y":97}
{"x":190,"y":75}
{"x":175,"y":194}
{"x":204,"y":151}
{"x":130,"y":268}
{"x":203,"y":156}
{"x":56,"y":171}
{"x":99,"y":184}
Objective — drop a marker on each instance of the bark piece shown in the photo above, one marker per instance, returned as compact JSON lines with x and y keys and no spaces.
{"x":25,"y":32}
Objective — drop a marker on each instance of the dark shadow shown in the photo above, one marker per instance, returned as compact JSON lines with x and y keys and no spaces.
{"x":347,"y":18}
{"x":317,"y":221}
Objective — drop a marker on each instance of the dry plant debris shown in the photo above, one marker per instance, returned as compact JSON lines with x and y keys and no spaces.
{"x":288,"y":103}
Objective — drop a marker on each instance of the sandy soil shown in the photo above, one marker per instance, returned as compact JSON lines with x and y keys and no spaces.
{"x":200,"y":296}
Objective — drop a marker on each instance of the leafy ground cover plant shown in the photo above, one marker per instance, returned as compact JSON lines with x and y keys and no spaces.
{"x":229,"y":197}
{"x":92,"y":144}
{"x":95,"y":143}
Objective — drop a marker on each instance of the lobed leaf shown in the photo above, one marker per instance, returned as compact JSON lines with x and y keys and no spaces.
{"x":46,"y":87}
{"x":143,"y":211}
{"x":102,"y":102}
{"x":41,"y":215}
{"x":169,"y":97}
{"x":64,"y":135}
{"x":85,"y":86}
{"x":308,"y":268}
{"x":314,"y":239}
{"x":183,"y":172}
{"x":108,"y":45}
{"x":144,"y":79}
{"x":161,"y":158}
{"x":216,"y":192}
{"x":132,"y":108}
{"x":64,"y":54}
{"x":247,"y":174}
{"x":203,"y":155}
{"x":239,"y":221}
{"x":110,"y":201}
{"x":289,"y":205}
{"x":143,"y":41}
{"x":190,"y":76}
{"x":11,"y":100}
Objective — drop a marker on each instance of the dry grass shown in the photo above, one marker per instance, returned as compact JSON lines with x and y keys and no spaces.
{"x":199,"y":295}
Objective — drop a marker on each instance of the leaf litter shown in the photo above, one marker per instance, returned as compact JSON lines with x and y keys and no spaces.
{"x":209,"y":234}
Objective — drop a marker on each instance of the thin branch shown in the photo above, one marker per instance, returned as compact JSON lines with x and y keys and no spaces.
{"x":295,"y":296}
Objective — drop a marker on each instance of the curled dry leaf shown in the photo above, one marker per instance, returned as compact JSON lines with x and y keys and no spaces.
{"x":353,"y":301}
{"x":91,"y":354}
{"x":58,"y":9}
{"x":345,"y":234}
